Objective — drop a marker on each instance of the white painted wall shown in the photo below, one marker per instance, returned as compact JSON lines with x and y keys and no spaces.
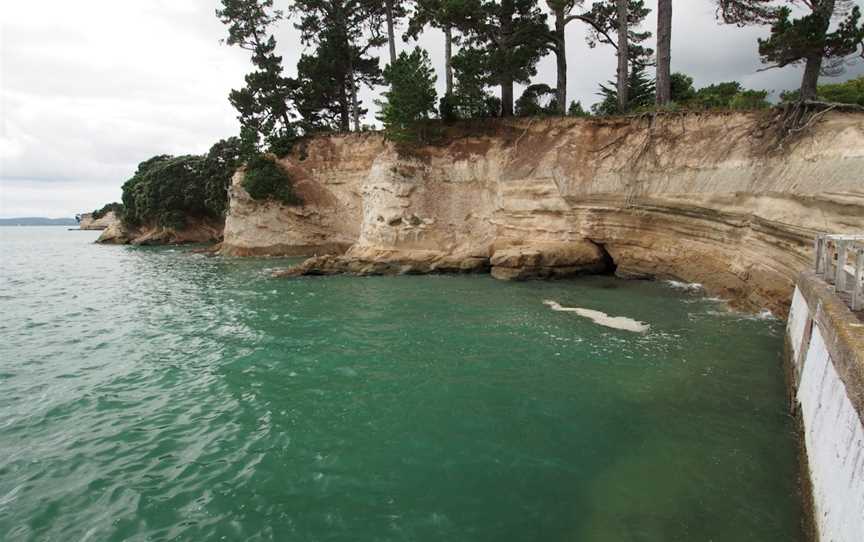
{"x":833,"y":435}
{"x":798,"y":315}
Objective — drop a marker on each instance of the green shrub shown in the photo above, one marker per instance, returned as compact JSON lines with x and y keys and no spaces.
{"x":750,"y":99}
{"x":576,"y":110}
{"x":536,"y":100}
{"x":849,"y":92}
{"x":682,"y":87}
{"x":447,"y":108}
{"x":115,"y":207}
{"x":264,"y":180}
{"x":729,"y":95}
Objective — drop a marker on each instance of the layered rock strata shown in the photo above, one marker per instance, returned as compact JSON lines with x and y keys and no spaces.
{"x":715,"y":198}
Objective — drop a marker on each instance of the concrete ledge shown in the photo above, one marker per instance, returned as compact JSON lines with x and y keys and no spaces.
{"x":843,"y":333}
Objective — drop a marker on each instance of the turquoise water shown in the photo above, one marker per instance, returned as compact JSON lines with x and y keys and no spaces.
{"x":157,"y":394}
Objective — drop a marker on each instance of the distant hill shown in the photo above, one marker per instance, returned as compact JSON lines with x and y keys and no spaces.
{"x":37,"y":221}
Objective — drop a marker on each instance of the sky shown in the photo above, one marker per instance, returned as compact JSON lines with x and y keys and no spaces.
{"x":89,"y":89}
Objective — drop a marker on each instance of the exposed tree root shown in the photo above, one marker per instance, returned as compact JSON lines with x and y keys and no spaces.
{"x":793,"y":119}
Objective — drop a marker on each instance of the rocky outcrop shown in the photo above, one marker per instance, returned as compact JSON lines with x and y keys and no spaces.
{"x":87,"y":222}
{"x":197,"y":230}
{"x":709,"y":198}
{"x":365,"y":261}
{"x":548,"y":260}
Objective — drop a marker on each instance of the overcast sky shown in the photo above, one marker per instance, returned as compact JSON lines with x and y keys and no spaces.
{"x":88,"y":89}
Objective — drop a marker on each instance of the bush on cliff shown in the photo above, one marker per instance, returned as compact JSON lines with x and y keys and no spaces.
{"x":537,"y":100}
{"x":265,"y":180}
{"x":165,"y":189}
{"x":849,"y":92}
{"x":729,"y":95}
{"x":115,"y":207}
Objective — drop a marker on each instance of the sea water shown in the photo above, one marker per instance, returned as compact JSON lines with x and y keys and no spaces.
{"x":161,"y":394}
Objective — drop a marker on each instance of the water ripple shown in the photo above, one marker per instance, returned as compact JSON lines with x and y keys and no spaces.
{"x":154,"y":394}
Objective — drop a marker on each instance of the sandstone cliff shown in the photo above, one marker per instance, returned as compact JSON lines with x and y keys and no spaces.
{"x":708,"y":198}
{"x":87,"y":221}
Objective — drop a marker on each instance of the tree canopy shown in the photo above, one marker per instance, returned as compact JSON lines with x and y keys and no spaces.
{"x":509,"y":36}
{"x":165,"y":190}
{"x":411,"y":96}
{"x":264,"y":105}
{"x":806,"y":38}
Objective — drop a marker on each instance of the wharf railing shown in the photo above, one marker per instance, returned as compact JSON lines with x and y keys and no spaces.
{"x":840,"y":262}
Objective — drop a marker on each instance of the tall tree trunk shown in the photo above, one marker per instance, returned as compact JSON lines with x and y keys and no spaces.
{"x":664,"y":52}
{"x":561,"y":61}
{"x":623,"y":60}
{"x":390,"y":32}
{"x":813,"y":68}
{"x":506,"y":21}
{"x":355,"y":104}
{"x":448,"y":58}
{"x":344,"y":110}
{"x":352,"y":91}
{"x":507,"y":98}
{"x":811,"y":77}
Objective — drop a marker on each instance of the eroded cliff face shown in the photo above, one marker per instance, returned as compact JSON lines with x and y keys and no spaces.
{"x":706,"y":198}
{"x":87,"y":221}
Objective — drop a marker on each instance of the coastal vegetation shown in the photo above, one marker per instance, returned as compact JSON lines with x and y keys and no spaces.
{"x":808,"y":39}
{"x":489,"y":47}
{"x":411,"y":96}
{"x":499,"y":45}
{"x":115,"y":207}
{"x":850,"y":92}
{"x":167,"y":190}
{"x":264,"y":179}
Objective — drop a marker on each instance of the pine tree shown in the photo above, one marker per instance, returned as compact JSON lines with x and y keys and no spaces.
{"x":264,"y":105}
{"x":411,"y":97}
{"x":470,"y":96}
{"x":607,"y":26}
{"x":344,"y":32}
{"x":640,"y":93}
{"x":562,"y":10}
{"x":439,"y":14}
{"x":322,"y":96}
{"x":512,"y":35}
{"x":807,"y":39}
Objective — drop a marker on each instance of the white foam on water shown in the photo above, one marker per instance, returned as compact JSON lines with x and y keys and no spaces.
{"x":601,"y":318}
{"x":686,"y":286}
{"x":764,"y":314}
